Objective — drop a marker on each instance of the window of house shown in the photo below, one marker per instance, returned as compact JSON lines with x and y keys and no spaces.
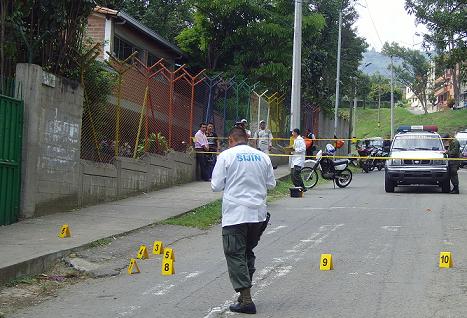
{"x":123,"y":49}
{"x":152,"y":59}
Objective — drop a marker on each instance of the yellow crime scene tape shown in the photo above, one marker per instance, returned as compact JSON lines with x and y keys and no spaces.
{"x":347,"y":157}
{"x":330,"y":139}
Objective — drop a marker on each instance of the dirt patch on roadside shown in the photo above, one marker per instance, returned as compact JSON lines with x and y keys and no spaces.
{"x":31,"y":290}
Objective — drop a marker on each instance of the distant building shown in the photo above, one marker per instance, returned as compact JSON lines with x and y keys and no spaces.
{"x":444,"y":92}
{"x":413,"y":99}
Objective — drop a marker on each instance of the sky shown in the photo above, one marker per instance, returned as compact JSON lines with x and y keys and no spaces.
{"x":391,"y":21}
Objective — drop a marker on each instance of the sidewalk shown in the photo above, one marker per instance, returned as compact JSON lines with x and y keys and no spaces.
{"x":29,"y":246}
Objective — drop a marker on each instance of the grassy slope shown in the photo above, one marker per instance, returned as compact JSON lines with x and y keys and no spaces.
{"x":210,"y":214}
{"x":447,"y":121}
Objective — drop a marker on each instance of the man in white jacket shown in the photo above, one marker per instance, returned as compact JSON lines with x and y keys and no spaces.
{"x":244,"y":174}
{"x":297,"y":159}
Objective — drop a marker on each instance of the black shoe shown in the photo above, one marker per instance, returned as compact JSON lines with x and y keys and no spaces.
{"x":304,"y":189}
{"x":243,"y":308}
{"x":455,"y":191}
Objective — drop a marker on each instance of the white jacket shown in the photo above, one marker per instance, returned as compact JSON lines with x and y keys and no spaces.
{"x":298,"y":155}
{"x":245,"y":174}
{"x":263,"y":140}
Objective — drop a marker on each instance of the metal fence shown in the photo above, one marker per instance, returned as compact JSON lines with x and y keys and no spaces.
{"x":11,"y":130}
{"x":131,"y":109}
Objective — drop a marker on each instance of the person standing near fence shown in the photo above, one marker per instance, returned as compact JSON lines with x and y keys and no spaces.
{"x":309,"y":142}
{"x":263,"y":138}
{"x":201,"y":146}
{"x":214,"y":146}
{"x":297,"y":159}
{"x":244,"y":174}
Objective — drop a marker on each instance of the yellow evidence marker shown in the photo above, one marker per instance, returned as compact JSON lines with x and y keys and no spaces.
{"x":64,"y":231}
{"x":167,"y":267}
{"x":158,"y":248}
{"x":445,"y":260}
{"x":325,"y":263}
{"x":142,"y":252}
{"x":169,"y":254}
{"x":133,"y":267}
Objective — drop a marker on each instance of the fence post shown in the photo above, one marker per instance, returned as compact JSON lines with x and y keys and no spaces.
{"x":124,"y":66}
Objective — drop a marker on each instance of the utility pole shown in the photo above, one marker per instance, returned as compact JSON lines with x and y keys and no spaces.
{"x":354,"y":117}
{"x":339,"y":42}
{"x":392,"y":99}
{"x":379,"y":102}
{"x":296,"y":68}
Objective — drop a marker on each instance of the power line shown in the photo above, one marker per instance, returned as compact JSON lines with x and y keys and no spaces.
{"x":373,"y":23}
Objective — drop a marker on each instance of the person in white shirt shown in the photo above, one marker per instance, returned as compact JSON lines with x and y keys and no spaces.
{"x":244,"y":174}
{"x":202,"y":146}
{"x":297,"y":159}
{"x":263,"y":138}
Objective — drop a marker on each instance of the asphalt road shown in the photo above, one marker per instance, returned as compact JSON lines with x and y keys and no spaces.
{"x":385,"y":250}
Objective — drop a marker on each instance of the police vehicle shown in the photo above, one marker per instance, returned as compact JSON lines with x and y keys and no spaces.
{"x":417,"y":157}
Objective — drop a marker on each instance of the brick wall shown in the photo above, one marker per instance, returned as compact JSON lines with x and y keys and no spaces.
{"x":96,"y":30}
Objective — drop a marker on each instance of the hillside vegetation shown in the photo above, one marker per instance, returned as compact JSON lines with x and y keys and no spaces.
{"x":448,"y":121}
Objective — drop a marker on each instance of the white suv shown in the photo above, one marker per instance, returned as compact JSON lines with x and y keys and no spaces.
{"x":417,"y":157}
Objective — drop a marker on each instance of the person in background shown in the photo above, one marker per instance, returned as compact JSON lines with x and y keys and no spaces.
{"x":214,"y":146}
{"x":387,"y":144}
{"x":263,"y":138}
{"x":309,"y":142}
{"x":297,"y":159}
{"x":245,"y":124}
{"x":201,"y":146}
{"x":454,"y":151}
{"x":244,"y":174}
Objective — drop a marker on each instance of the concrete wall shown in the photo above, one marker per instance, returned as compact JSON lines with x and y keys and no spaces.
{"x":54,"y":178}
{"x":326,"y":130}
{"x":51,"y":142}
{"x":107,"y":182}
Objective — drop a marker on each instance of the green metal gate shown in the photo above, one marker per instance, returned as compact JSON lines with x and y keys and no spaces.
{"x":11,"y":128}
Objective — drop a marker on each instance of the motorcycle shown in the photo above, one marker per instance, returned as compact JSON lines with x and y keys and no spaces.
{"x":379,"y":163}
{"x":336,"y":170}
{"x":371,"y":161}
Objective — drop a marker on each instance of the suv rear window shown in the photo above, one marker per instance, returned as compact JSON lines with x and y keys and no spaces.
{"x":421,"y":142}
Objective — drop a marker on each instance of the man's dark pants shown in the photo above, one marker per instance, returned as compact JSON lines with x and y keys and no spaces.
{"x":239,"y":241}
{"x":296,"y":178}
{"x":202,"y":164}
{"x":453,"y":167}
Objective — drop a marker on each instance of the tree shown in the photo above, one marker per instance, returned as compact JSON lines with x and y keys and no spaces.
{"x":380,"y":87}
{"x":413,"y":71}
{"x":251,"y":38}
{"x":320,"y":55}
{"x":166,"y":17}
{"x":446,"y":21}
{"x":47,"y":32}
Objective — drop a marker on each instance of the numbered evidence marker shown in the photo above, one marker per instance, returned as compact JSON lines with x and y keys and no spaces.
{"x":64,"y":231}
{"x":167,"y":267}
{"x":158,"y":248}
{"x":133,"y":267}
{"x":169,"y":254}
{"x":142,"y":252}
{"x":445,"y":260}
{"x":325,"y":262}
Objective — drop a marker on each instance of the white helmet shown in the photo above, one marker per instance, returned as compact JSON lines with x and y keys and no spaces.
{"x":330,"y":148}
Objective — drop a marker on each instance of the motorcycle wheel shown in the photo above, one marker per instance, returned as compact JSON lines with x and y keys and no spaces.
{"x":365,"y":167}
{"x":344,"y":178}
{"x":309,"y":177}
